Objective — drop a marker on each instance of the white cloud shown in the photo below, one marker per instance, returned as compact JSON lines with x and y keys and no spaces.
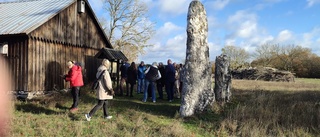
{"x":241,"y":16}
{"x":212,"y":22}
{"x":167,"y":29}
{"x":230,"y":42}
{"x":174,"y":49}
{"x":173,"y":7}
{"x":284,"y":36}
{"x":310,"y":3}
{"x":219,"y":4}
{"x":155,"y":47}
{"x":7,"y":0}
{"x":260,"y":40}
{"x":214,"y":50}
{"x":247,"y":29}
{"x":311,"y":39}
{"x":245,"y":32}
{"x":242,"y":24}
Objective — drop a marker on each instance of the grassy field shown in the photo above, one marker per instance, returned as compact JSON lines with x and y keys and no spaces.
{"x":257,"y":108}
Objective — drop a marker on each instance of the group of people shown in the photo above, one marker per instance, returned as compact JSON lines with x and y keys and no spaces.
{"x":148,"y":78}
{"x":104,"y":91}
{"x":151,"y":78}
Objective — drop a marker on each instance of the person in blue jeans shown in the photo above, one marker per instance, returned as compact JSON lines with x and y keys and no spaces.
{"x":141,"y":77}
{"x":170,"y":79}
{"x":152,"y":75}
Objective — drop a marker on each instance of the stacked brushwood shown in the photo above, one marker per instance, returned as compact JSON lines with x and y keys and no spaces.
{"x":263,"y":73}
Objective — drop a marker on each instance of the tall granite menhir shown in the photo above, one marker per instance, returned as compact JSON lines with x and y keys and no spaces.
{"x":197,"y":83}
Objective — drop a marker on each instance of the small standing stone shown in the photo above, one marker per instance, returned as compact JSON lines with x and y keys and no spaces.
{"x":222,"y":77}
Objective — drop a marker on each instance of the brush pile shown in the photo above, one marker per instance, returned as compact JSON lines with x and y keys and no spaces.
{"x":263,"y":73}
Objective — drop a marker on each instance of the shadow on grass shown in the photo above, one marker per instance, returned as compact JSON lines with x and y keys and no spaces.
{"x":35,"y":109}
{"x":59,"y":106}
{"x":57,"y":100}
{"x":160,"y":108}
{"x":87,"y":97}
{"x":74,"y":117}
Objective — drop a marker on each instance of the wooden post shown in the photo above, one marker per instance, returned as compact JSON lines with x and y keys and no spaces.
{"x":118,"y":76}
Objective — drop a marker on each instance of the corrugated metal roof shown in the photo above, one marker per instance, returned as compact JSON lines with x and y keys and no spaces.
{"x":25,"y":16}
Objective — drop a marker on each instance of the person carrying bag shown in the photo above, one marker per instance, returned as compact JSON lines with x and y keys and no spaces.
{"x":96,"y":82}
{"x":104,"y":91}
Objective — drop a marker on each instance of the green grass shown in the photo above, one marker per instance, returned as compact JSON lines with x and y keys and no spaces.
{"x":257,"y":108}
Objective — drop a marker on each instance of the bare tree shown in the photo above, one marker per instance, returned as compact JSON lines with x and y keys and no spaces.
{"x":237,"y":56}
{"x":266,"y":53}
{"x":288,"y":54}
{"x":128,"y":26}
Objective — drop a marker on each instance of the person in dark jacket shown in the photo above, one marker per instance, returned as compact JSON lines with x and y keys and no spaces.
{"x":75,"y":78}
{"x":132,"y":77}
{"x":124,"y":77}
{"x":170,"y":79}
{"x":152,"y":75}
{"x":161,"y":81}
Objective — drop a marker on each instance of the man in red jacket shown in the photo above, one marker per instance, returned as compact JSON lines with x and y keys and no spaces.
{"x":75,"y":77}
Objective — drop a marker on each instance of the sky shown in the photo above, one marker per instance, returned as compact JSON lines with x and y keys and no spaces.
{"x":242,"y":23}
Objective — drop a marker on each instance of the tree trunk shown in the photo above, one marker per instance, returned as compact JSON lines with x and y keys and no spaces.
{"x":197,"y":83}
{"x":222,"y":75}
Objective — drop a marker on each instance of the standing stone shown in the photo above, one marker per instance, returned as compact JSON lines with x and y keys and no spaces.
{"x":222,"y":80}
{"x":197,"y":83}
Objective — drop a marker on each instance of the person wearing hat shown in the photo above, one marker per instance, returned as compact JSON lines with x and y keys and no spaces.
{"x":75,"y":78}
{"x":104,"y":91}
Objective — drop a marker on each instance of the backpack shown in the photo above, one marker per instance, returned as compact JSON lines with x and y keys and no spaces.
{"x":152,"y":74}
{"x":96,"y":82}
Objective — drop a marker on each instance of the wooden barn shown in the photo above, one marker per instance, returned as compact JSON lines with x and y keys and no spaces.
{"x":38,"y":37}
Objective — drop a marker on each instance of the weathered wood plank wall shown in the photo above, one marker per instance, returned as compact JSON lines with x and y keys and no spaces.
{"x":17,"y":60}
{"x":48,"y":62}
{"x":72,"y":28}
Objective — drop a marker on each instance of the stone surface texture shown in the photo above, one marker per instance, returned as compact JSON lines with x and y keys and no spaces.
{"x":197,"y":82}
{"x":222,"y":80}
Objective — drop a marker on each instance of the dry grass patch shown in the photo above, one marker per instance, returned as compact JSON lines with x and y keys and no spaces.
{"x":298,"y":85}
{"x":257,"y":108}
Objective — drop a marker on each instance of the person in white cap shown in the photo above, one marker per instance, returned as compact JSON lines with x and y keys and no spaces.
{"x":75,"y":78}
{"x":104,"y":91}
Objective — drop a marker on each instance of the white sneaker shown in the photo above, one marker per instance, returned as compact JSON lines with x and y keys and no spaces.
{"x":87,"y":117}
{"x":108,"y":117}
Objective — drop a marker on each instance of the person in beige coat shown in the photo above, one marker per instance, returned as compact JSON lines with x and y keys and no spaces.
{"x":104,"y":91}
